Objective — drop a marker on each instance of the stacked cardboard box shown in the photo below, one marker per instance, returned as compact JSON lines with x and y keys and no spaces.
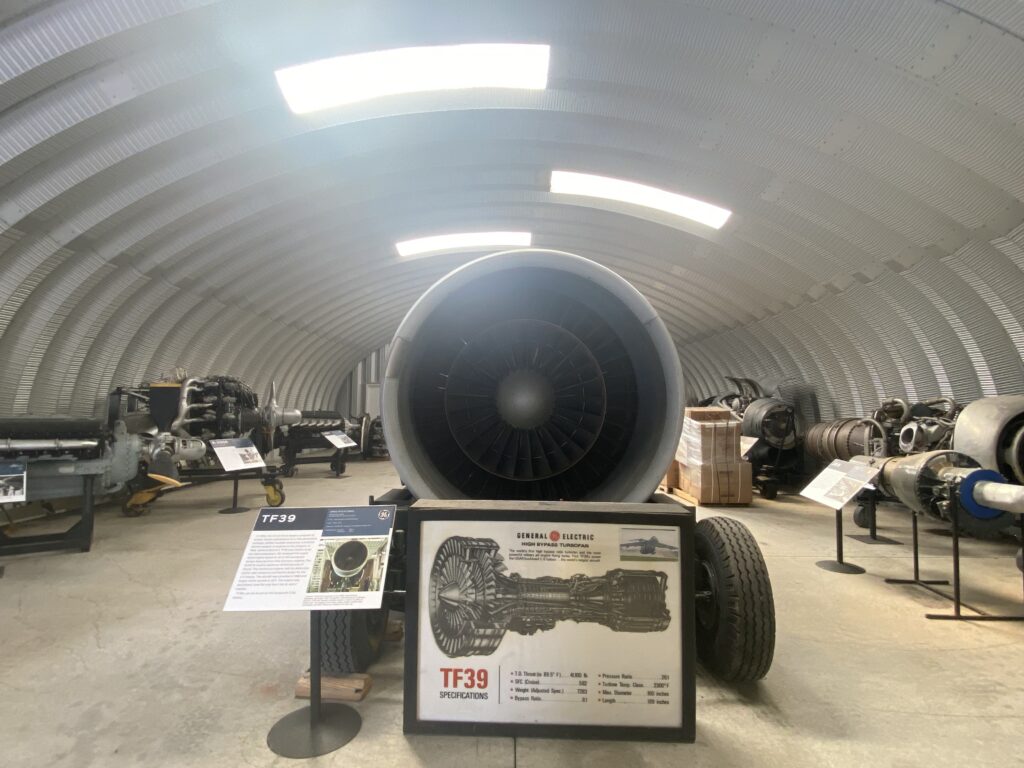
{"x":708,"y":463}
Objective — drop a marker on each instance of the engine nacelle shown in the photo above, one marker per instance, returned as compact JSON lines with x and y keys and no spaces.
{"x":532,"y":375}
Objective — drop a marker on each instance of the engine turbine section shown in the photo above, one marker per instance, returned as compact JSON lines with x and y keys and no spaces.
{"x":925,"y":481}
{"x":532,"y":375}
{"x":473,"y":602}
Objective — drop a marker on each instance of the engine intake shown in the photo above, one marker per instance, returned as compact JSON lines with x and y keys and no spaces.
{"x":532,"y":375}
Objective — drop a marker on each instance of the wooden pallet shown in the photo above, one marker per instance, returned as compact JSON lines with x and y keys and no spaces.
{"x":352,"y":687}
{"x":679,"y":493}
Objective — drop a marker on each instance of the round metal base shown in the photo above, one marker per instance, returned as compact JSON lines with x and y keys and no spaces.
{"x":232,"y":510}
{"x":294,"y":736}
{"x":837,"y":567}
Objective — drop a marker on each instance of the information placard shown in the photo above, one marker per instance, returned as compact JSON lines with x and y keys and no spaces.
{"x":13,"y":482}
{"x":839,"y":482}
{"x":551,"y":626}
{"x":237,"y":453}
{"x":302,"y":558}
{"x":339,"y":439}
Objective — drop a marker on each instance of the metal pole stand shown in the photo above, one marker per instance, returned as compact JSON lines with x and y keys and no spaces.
{"x":954,"y":506}
{"x":869,"y":501}
{"x":319,"y":728}
{"x":838,"y":565}
{"x":234,"y":508}
{"x":917,"y":580}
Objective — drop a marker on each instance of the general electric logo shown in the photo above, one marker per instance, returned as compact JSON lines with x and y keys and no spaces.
{"x":554,"y":535}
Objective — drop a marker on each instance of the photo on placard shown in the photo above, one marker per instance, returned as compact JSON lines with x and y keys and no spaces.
{"x":349,"y":564}
{"x":249,"y":456}
{"x":11,"y":486}
{"x":641,"y":544}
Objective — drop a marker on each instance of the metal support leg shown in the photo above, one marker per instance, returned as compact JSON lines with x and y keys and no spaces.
{"x":917,"y":562}
{"x":870,"y":501}
{"x":319,"y":728}
{"x":956,"y":511}
{"x":234,"y":508}
{"x":839,"y":565}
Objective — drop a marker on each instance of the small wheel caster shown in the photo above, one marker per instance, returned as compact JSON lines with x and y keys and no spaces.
{"x":274,"y":491}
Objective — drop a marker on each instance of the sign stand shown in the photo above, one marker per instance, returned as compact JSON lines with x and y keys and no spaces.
{"x":234,"y":508}
{"x":838,"y":565}
{"x":321,"y":727}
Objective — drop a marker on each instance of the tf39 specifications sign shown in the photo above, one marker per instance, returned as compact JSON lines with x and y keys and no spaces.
{"x":320,"y":558}
{"x":550,"y":623}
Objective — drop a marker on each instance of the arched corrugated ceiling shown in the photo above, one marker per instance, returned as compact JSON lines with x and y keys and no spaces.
{"x":160,"y":205}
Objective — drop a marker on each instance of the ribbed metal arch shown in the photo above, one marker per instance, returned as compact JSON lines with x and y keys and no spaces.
{"x":168,"y":209}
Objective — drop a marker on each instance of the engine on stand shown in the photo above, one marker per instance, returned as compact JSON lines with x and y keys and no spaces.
{"x":63,"y":458}
{"x":176,"y":417}
{"x":776,"y":457}
{"x":985,"y":434}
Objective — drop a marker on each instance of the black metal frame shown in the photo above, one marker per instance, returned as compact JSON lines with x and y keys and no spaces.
{"x":510,"y":512}
{"x":78,"y":536}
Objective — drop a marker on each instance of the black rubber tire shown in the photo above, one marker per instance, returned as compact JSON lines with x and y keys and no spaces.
{"x":350,"y":641}
{"x":736,"y":626}
{"x":769,"y":489}
{"x":861,"y":518}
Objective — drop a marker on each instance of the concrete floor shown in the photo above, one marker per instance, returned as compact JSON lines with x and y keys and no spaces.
{"x":123,"y":657}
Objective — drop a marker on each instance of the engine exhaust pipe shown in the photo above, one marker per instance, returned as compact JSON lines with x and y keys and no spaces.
{"x":532,"y":374}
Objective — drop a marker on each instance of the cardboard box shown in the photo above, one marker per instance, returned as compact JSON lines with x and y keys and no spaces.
{"x":709,"y":442}
{"x":728,"y":483}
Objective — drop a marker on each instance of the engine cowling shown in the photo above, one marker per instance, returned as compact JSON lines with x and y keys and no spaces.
{"x":532,"y":374}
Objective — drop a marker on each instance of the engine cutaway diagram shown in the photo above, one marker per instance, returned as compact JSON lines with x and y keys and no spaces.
{"x":474,"y":601}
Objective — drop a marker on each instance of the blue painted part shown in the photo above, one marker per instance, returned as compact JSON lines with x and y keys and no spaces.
{"x":974,"y":509}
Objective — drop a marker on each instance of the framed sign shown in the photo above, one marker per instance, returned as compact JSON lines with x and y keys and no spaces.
{"x":237,"y":454}
{"x":551,"y":620}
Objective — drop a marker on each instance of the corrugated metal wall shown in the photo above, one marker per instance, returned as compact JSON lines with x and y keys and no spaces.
{"x":159,"y":205}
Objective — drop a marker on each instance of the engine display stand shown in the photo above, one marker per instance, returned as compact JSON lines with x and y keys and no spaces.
{"x":234,"y":508}
{"x":839,"y":565}
{"x":321,"y":727}
{"x":869,"y":500}
{"x":78,"y":536}
{"x":957,"y":615}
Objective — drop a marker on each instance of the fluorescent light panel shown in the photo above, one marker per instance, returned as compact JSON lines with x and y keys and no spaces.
{"x":571,"y":183}
{"x":362,"y":76}
{"x":463,"y":241}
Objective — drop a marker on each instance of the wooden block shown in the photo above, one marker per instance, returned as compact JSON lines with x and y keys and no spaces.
{"x":351,"y":687}
{"x":395,"y":631}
